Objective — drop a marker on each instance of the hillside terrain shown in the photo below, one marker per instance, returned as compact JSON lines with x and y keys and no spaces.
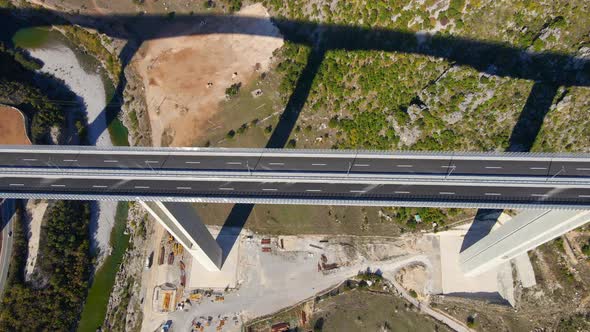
{"x":412,"y":83}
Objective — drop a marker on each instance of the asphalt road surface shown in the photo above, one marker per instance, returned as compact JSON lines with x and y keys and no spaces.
{"x":300,"y":161}
{"x":324,"y":175}
{"x":186,"y":187}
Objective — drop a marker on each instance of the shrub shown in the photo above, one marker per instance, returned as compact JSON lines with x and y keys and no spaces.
{"x":233,"y":89}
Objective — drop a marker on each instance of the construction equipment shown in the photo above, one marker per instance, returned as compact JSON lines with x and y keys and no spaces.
{"x":161,"y":255}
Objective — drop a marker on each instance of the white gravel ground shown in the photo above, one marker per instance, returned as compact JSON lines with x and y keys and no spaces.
{"x":60,"y":61}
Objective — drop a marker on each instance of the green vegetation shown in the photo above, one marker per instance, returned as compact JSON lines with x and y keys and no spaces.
{"x":20,"y":88}
{"x":93,"y":44}
{"x":233,"y":89}
{"x":586,"y":248}
{"x":64,"y":258}
{"x":104,"y":279}
{"x":413,"y":293}
{"x":232,"y":5}
{"x":471,"y":322}
{"x":574,"y":323}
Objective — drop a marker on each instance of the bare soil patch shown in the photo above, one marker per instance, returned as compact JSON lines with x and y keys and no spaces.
{"x":185,"y":78}
{"x":12,"y":126}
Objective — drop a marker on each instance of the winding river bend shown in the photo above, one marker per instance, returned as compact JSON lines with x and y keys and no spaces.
{"x":85,"y":76}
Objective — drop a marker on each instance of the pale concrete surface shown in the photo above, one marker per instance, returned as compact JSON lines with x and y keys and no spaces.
{"x":525,"y":271}
{"x":199,"y":277}
{"x":524,"y":232}
{"x":453,"y":279}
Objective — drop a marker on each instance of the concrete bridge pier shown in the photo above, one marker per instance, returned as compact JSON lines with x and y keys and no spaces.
{"x":522,"y":233}
{"x":183,"y":222}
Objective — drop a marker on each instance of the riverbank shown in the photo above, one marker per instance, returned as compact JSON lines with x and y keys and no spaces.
{"x":104,"y":279}
{"x":88,"y":80}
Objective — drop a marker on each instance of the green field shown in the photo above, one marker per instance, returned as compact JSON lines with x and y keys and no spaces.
{"x":359,"y":310}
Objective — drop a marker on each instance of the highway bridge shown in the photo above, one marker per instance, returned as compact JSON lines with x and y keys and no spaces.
{"x":554,"y":187}
{"x":334,"y":177}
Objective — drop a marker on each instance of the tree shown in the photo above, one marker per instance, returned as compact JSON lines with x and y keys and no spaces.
{"x":233,"y":89}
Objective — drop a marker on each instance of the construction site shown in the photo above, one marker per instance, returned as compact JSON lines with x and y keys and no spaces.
{"x":263,"y":275}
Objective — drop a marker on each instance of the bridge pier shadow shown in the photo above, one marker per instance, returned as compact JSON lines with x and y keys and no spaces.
{"x":522,"y":139}
{"x":240,"y":213}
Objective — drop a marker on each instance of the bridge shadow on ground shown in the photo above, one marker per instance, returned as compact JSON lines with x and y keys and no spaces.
{"x":522,"y":139}
{"x":549,"y":70}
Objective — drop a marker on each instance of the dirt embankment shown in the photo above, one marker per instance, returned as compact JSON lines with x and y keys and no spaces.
{"x":12,"y":126}
{"x":185,"y":77}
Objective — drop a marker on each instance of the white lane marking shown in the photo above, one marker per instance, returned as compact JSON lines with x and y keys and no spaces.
{"x":269,"y":189}
{"x":584,"y":196}
{"x":313,"y":190}
{"x":222,"y":188}
{"x":452,"y":166}
{"x":362,"y":165}
{"x":318,"y":164}
{"x":539,"y":195}
{"x":401,"y":192}
{"x":58,"y":185}
{"x":70,"y":160}
{"x":583,"y":169}
{"x":151,"y":161}
{"x":185,"y":188}
{"x":493,"y":167}
{"x":99,"y":186}
{"x":192,"y":162}
{"x":16,"y":184}
{"x":405,"y":166}
{"x":110,"y":161}
{"x":277,"y":164}
{"x":493,"y":194}
{"x":541,"y":168}
{"x":358,"y":191}
{"x":233,"y":163}
{"x":446,"y":193}
{"x":29,"y":159}
{"x":142,"y":187}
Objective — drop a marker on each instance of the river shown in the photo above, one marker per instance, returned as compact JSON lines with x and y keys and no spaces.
{"x":86,"y":77}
